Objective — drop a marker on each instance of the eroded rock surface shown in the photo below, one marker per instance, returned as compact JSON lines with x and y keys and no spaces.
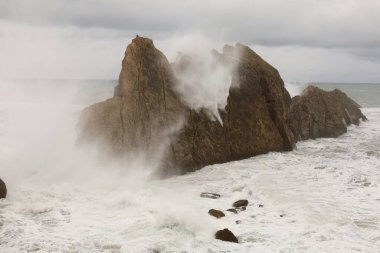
{"x":145,"y":111}
{"x":318,"y":113}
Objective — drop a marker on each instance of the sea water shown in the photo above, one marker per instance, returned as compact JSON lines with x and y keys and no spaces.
{"x":322,"y":197}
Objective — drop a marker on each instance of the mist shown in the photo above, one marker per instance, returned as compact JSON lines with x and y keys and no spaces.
{"x":63,"y":182}
{"x":204,"y":78}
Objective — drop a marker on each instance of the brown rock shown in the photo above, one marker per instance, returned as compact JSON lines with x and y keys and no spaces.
{"x":318,"y":113}
{"x":3,"y":189}
{"x":145,"y":111}
{"x":216,"y":213}
{"x":226,"y":235}
{"x":240,"y":203}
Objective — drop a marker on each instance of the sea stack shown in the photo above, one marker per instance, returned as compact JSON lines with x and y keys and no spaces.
{"x":317,"y":113}
{"x":146,"y":114}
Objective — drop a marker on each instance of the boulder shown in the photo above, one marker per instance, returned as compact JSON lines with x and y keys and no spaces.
{"x":318,"y":113}
{"x":3,"y":189}
{"x":216,"y":213}
{"x":226,"y":235}
{"x":240,"y":203}
{"x":146,"y":115}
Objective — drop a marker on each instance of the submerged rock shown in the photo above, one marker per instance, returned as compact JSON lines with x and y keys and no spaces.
{"x":146,"y":114}
{"x":318,"y":113}
{"x":240,"y":203}
{"x":216,"y":213}
{"x":226,"y":235}
{"x":232,"y":210}
{"x":3,"y":189}
{"x":210,"y":195}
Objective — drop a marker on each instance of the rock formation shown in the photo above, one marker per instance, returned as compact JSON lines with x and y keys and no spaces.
{"x":318,"y":113}
{"x":3,"y":189}
{"x":146,"y":114}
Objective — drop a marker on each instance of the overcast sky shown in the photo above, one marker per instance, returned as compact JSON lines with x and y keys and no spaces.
{"x":306,"y":40}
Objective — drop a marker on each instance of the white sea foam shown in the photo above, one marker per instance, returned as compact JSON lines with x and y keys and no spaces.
{"x":62,"y":201}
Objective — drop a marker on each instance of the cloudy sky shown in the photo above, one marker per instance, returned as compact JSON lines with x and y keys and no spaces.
{"x":306,"y":40}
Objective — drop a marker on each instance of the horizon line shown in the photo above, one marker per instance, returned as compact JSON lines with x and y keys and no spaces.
{"x":110,"y":79}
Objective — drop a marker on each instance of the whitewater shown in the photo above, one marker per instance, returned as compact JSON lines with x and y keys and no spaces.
{"x":322,"y":197}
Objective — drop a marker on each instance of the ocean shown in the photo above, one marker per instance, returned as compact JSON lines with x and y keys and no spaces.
{"x":322,"y":197}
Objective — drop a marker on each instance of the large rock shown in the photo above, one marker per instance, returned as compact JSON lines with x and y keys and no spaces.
{"x":318,"y":113}
{"x":3,"y":189}
{"x":144,"y":111}
{"x":146,"y":114}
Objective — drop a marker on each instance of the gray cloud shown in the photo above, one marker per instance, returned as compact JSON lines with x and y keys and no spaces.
{"x":322,"y":23}
{"x":341,"y":30}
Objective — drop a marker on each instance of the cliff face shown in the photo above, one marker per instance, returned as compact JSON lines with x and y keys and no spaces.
{"x":318,"y":113}
{"x":146,"y":114}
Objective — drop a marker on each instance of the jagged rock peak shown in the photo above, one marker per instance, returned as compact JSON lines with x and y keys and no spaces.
{"x":143,"y":66}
